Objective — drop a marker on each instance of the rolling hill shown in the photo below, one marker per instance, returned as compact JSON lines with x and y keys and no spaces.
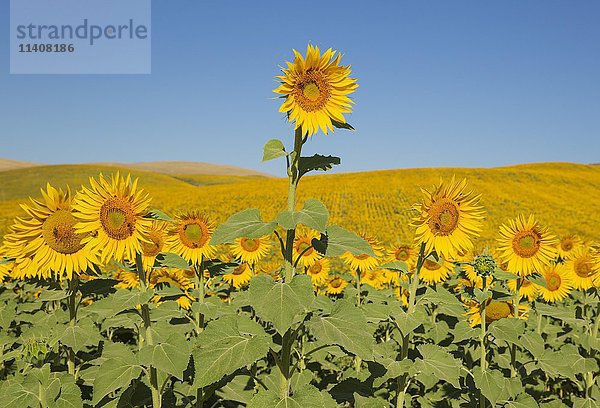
{"x":562,"y":195}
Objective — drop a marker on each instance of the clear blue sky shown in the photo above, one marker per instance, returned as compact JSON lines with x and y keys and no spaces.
{"x":442,"y":83}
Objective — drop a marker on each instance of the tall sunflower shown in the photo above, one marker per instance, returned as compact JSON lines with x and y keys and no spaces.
{"x":189,"y":237}
{"x":567,"y":245}
{"x":335,"y":285}
{"x":319,"y":271}
{"x":449,"y":218}
{"x":45,"y":242}
{"x":525,"y":245}
{"x":374,"y":278}
{"x":303,"y":250}
{"x":495,"y":310}
{"x":365,"y":262}
{"x":111,"y":214}
{"x":251,"y":250}
{"x":403,"y":252}
{"x":316,"y":90}
{"x":155,"y":242}
{"x":558,"y":283}
{"x":582,"y":268}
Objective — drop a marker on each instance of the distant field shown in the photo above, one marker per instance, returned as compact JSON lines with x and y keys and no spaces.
{"x":563,"y":196}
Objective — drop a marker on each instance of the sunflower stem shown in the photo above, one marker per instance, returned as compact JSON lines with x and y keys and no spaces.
{"x":293,"y":176}
{"x":483,"y":362}
{"x":513,"y":346}
{"x":199,"y":282}
{"x":402,"y":382}
{"x":72,"y":290}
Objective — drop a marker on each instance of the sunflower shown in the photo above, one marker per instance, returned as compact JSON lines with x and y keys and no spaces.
{"x":526,"y":246}
{"x":527,"y":288}
{"x":319,"y":271}
{"x":127,"y":279}
{"x":402,"y":295}
{"x":176,"y":278}
{"x":251,"y":250}
{"x":449,"y":218}
{"x":155,"y":242}
{"x":403,"y":252}
{"x":45,"y":242}
{"x":365,"y":262}
{"x":6,"y":269}
{"x":373,"y":278}
{"x":391,"y":278}
{"x":494,"y":310}
{"x":582,"y":268}
{"x":435,"y":272}
{"x":303,"y":250}
{"x":190,"y":237}
{"x":567,"y":245}
{"x":271,"y":269}
{"x":558,"y":283}
{"x":112,"y":215}
{"x":335,"y":285}
{"x":240,"y":276}
{"x":316,"y":90}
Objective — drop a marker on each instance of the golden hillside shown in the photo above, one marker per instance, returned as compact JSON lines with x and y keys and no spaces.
{"x":564,"y":196}
{"x":9,"y":164}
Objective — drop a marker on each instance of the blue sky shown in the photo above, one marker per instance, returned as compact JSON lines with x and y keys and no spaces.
{"x":461,"y":83}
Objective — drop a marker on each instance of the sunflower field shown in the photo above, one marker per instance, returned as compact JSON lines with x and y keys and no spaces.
{"x":107,"y":301}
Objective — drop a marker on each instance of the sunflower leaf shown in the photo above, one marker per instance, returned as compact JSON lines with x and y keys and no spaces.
{"x":158,"y":215}
{"x":316,"y":162}
{"x":171,"y":356}
{"x":337,"y":241}
{"x":244,"y":224}
{"x":273,"y":149}
{"x":396,"y":266}
{"x":222,"y":348}
{"x":171,"y":260}
{"x":314,"y":214}
{"x":342,"y":125}
{"x":304,"y":397}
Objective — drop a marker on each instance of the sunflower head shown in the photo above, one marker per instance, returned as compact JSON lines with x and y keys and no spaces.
{"x":365,"y":262}
{"x":251,"y":250}
{"x":582,"y":267}
{"x":319,"y":271}
{"x":239,"y":276}
{"x":567,"y":246}
{"x":335,"y":285}
{"x":315,"y":89}
{"x":449,"y":218}
{"x":189,"y":237}
{"x":559,"y":283}
{"x":525,"y":245}
{"x":303,"y":250}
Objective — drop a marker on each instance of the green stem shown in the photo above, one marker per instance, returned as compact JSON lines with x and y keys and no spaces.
{"x":539,"y":324}
{"x":483,"y":360}
{"x":358,"y":288}
{"x":72,"y":306}
{"x":293,"y":176}
{"x":284,"y":365}
{"x":589,"y":379}
{"x":513,"y":346}
{"x":199,"y":283}
{"x":402,"y":381}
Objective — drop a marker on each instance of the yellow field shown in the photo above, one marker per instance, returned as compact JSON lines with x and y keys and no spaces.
{"x":563,"y":196}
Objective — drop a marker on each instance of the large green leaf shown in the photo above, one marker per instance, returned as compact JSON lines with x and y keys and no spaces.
{"x":347,"y":327}
{"x":507,"y":330}
{"x":171,"y":260}
{"x":317,"y":162}
{"x":171,"y":356}
{"x":115,"y":372}
{"x":305,"y":397}
{"x":523,"y":401}
{"x":120,"y":301}
{"x":273,"y":149}
{"x":280,"y":303}
{"x":338,"y":241}
{"x":245,"y":224}
{"x":491,"y":384}
{"x":314,"y":214}
{"x":78,"y":337}
{"x":437,"y":362}
{"x":222,"y":348}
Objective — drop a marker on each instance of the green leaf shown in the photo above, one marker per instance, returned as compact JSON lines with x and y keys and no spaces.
{"x":244,"y":224}
{"x":338,"y":241}
{"x":523,"y":401}
{"x":17,"y":395}
{"x":399,"y":266}
{"x":70,"y":394}
{"x":445,"y":301}
{"x":304,"y":397}
{"x":223,"y":349}
{"x":407,"y":322}
{"x":317,"y":162}
{"x":113,"y":374}
{"x":507,"y":330}
{"x":78,"y":337}
{"x":158,"y":215}
{"x":314,"y":214}
{"x":463,"y":331}
{"x":491,"y":384}
{"x":121,"y":300}
{"x":439,"y":363}
{"x":345,"y":326}
{"x":171,"y":356}
{"x":97,"y":287}
{"x":273,"y":149}
{"x":342,"y":125}
{"x":52,"y":295}
{"x":171,"y":260}
{"x":366,"y":402}
{"x":280,"y":303}
{"x":501,"y":275}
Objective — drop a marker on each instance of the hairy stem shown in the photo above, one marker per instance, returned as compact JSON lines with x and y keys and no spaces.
{"x":199,"y":283}
{"x":72,"y":305}
{"x":483,"y":360}
{"x":293,"y":176}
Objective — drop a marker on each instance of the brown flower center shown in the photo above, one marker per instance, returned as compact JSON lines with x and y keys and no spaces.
{"x":401,"y":254}
{"x":443,"y":217}
{"x":250,"y":244}
{"x":118,"y":218}
{"x":526,"y":243}
{"x":240,"y":269}
{"x":431,"y":265}
{"x":566,"y":245}
{"x":154,"y":246}
{"x":59,"y":233}
{"x":583,"y":267}
{"x":497,"y":310}
{"x":336,"y":283}
{"x":312,"y":91}
{"x":302,"y":246}
{"x":553,"y":281}
{"x":315,"y":269}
